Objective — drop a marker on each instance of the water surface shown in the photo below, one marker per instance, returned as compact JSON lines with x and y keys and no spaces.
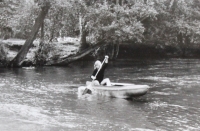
{"x":46,"y":99}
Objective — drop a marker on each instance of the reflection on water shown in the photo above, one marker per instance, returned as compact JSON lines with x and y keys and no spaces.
{"x":46,"y":99}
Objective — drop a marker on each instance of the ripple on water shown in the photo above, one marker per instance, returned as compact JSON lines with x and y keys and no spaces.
{"x":66,"y":120}
{"x":36,"y":115}
{"x":164,"y":93}
{"x":176,"y":117}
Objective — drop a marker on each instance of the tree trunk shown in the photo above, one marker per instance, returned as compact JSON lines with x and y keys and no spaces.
{"x":181,"y":43}
{"x":113,"y":51}
{"x":145,"y":1}
{"x":42,"y":33}
{"x":186,"y":43}
{"x":17,"y":61}
{"x":117,"y":2}
{"x":83,"y":42}
{"x":122,"y":2}
{"x":116,"y":50}
{"x":7,"y":32}
{"x":69,"y":59}
{"x":53,"y":28}
{"x":51,"y":36}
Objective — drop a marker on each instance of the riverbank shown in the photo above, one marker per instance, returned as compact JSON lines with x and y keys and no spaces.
{"x":61,"y":48}
{"x":69,"y":46}
{"x":137,"y":51}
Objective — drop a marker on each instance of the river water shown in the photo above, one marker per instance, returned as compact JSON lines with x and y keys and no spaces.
{"x":46,"y":99}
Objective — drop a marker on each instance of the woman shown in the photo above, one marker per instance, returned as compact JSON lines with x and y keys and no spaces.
{"x":99,"y":70}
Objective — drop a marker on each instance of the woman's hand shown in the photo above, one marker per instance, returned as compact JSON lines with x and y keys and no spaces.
{"x":106,"y":59}
{"x":93,"y":77}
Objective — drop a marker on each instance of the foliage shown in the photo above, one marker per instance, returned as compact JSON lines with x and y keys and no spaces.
{"x":158,"y":22}
{"x":174,"y":17}
{"x":24,"y":18}
{"x":43,"y":53}
{"x":59,"y":22}
{"x":117,"y":23}
{"x":7,"y":10}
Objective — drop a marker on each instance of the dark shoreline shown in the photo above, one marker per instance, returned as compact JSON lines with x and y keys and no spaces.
{"x":131,"y":52}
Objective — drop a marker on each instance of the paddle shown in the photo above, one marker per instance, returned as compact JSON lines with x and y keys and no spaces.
{"x":86,"y":89}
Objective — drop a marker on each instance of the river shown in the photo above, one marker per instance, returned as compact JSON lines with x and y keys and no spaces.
{"x":46,"y":99}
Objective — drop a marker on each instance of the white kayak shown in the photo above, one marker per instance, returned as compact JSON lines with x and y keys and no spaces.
{"x":118,"y":90}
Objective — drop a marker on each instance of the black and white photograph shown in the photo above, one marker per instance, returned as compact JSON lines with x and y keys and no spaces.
{"x":99,"y":65}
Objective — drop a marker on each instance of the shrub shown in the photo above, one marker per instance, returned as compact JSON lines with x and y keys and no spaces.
{"x":43,"y":53}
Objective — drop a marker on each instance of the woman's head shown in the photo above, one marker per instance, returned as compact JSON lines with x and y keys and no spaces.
{"x":97,"y":64}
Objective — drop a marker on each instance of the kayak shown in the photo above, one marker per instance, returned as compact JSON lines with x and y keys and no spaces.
{"x":118,"y":90}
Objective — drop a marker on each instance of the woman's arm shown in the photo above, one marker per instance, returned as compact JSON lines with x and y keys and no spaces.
{"x":93,"y":74}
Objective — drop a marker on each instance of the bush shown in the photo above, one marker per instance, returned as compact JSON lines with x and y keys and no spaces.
{"x":43,"y":53}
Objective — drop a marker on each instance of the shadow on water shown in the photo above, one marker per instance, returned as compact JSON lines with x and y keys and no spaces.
{"x":141,"y":100}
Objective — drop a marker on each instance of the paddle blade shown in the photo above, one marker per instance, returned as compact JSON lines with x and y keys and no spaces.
{"x":87,"y":91}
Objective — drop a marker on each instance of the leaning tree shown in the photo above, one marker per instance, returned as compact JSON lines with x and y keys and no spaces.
{"x":17,"y":61}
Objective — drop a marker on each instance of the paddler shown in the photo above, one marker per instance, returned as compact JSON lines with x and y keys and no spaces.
{"x":99,"y":79}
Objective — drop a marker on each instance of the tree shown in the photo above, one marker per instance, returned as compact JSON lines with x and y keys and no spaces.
{"x":177,"y":22}
{"x":8,"y":9}
{"x":79,"y":10}
{"x":17,"y":61}
{"x":115,"y":23}
{"x":107,"y":24}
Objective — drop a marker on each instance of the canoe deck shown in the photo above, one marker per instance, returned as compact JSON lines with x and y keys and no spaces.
{"x":127,"y":91}
{"x":120,"y":90}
